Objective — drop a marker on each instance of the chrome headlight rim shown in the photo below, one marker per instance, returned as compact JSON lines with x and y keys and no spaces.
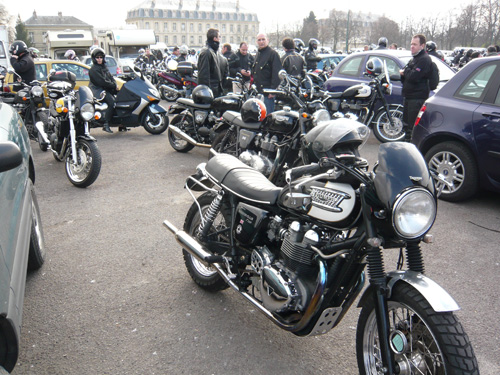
{"x":87,"y":111}
{"x":319,"y":116}
{"x":401,"y":199}
{"x":36,"y":91}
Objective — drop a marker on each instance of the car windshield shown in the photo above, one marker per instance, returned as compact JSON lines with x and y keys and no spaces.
{"x":445,"y":72}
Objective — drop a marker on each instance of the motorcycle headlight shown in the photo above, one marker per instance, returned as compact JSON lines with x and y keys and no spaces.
{"x":414,"y":212}
{"x":154,"y":92}
{"x":319,"y":116}
{"x":37,"y":91}
{"x":87,"y":111}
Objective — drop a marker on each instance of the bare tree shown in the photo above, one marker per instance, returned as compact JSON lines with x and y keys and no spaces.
{"x":490,"y":15}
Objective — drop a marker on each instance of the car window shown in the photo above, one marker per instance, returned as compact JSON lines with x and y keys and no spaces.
{"x":497,"y":99}
{"x":474,"y":87}
{"x":41,"y":72}
{"x":82,"y":74}
{"x":392,"y":66}
{"x":351,"y":67}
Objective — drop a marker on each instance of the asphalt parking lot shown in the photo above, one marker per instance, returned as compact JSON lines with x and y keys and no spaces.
{"x":114,"y":296}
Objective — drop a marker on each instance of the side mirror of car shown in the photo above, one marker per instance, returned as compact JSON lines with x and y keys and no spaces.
{"x":10,"y":156}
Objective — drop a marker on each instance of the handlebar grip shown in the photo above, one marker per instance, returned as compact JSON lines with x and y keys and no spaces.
{"x":302,"y":170}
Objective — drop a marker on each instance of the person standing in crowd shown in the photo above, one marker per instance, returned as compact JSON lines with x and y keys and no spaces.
{"x":209,"y":69}
{"x":393,"y":46}
{"x":491,"y":51}
{"x":21,"y":61}
{"x":266,"y":69}
{"x":310,"y":55}
{"x":147,"y":57}
{"x":382,"y":43}
{"x":101,"y":80}
{"x":242,"y":64}
{"x":431,"y":48}
{"x":231,"y":58}
{"x":183,"y":51}
{"x":415,"y":79}
{"x":291,"y":61}
{"x":192,"y":57}
{"x":71,"y":55}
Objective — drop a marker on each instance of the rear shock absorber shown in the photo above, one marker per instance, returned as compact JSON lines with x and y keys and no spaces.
{"x":210,"y":215}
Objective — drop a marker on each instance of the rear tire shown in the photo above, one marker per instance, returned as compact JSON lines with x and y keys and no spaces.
{"x":204,"y":276}
{"x":36,"y":256}
{"x":179,"y":144}
{"x":88,"y":166}
{"x":383,"y":129}
{"x":430,"y":342}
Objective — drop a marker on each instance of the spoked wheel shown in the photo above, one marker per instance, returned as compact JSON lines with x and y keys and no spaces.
{"x":423,"y":341}
{"x":169,"y":95}
{"x":88,"y":165}
{"x":384,"y":131}
{"x":186,"y":124}
{"x":155,"y":123}
{"x":225,"y":144}
{"x":202,"y":274}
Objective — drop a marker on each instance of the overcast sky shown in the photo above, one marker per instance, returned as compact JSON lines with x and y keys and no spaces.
{"x":271,"y":14}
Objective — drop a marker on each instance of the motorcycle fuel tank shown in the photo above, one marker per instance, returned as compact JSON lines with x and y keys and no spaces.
{"x":283,"y":122}
{"x":226,"y":103}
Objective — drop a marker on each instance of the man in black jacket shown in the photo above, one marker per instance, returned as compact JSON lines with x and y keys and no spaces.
{"x":241,"y":64}
{"x":292,"y":62}
{"x":312,"y":59}
{"x":209,"y":64}
{"x":101,"y":80}
{"x":22,"y":62}
{"x":415,"y":79}
{"x":266,"y":69}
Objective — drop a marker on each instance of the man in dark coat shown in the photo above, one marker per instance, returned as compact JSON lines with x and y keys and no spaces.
{"x":266,"y":70}
{"x":209,"y":64}
{"x":312,"y":59}
{"x":415,"y":79}
{"x":101,"y":80}
{"x":242,"y":64}
{"x":292,"y":62}
{"x":22,"y":62}
{"x":231,"y":58}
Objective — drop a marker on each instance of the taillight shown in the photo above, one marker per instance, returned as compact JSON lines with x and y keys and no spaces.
{"x":419,"y":116}
{"x":6,"y":88}
{"x":118,"y":70}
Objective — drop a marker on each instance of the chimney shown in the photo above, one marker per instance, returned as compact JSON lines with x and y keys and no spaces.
{"x":214,"y":6}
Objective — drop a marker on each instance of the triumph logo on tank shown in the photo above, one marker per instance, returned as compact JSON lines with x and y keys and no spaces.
{"x":328,"y":199}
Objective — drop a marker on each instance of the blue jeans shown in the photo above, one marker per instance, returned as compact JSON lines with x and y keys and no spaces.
{"x":269,"y":102}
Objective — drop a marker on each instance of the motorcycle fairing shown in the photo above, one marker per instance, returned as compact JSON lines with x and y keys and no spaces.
{"x":242,"y":180}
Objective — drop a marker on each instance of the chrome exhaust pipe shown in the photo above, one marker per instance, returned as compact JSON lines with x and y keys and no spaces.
{"x":179,"y":133}
{"x":41,"y":131}
{"x":171,"y":89}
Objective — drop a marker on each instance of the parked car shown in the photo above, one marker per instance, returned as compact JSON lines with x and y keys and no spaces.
{"x":22,"y":245}
{"x":350,"y":71}
{"x":330,"y":61}
{"x":114,"y":67}
{"x":458,"y":131}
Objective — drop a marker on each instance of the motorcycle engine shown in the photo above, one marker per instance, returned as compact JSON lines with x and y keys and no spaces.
{"x":286,"y":282}
{"x":262,"y":160}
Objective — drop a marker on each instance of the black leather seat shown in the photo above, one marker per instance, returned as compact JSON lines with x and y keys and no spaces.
{"x":242,"y":180}
{"x":235,"y":118}
{"x":191,"y":103}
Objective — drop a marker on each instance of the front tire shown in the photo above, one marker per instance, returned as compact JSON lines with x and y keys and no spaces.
{"x":203,"y":275}
{"x":184,"y":123}
{"x":456,"y":164}
{"x":428,"y":342}
{"x":382,"y":128}
{"x":154,"y":123}
{"x":88,"y":166}
{"x":36,"y":256}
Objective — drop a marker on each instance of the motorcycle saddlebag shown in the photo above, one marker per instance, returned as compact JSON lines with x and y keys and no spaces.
{"x":63,"y":75}
{"x":185,"y":68}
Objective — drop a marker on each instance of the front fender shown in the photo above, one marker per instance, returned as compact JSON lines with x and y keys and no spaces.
{"x":156,"y":108}
{"x":86,"y":137}
{"x":438,"y":298}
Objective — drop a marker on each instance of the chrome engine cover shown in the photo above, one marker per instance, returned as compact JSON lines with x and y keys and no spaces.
{"x":257,"y":161}
{"x":277,"y":289}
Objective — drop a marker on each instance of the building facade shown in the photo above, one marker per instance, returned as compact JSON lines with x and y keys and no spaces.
{"x":178,"y":22}
{"x":37,"y":27}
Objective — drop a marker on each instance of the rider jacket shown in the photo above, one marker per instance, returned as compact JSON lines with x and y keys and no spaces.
{"x":241,"y":62}
{"x":416,"y":76}
{"x":209,"y":69}
{"x":266,"y":69}
{"x":24,"y":66}
{"x":293,"y":63}
{"x":311,"y":59}
{"x":101,"y":79}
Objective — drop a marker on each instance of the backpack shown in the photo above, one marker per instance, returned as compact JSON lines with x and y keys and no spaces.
{"x":433,"y":76}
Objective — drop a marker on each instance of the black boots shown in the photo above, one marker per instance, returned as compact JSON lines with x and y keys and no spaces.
{"x":106,"y":128}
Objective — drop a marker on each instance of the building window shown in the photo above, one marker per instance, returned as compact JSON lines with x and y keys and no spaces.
{"x":191,"y":40}
{"x":175,"y":39}
{"x":239,"y":28}
{"x":191,"y":27}
{"x":200,"y":40}
{"x":208,"y":26}
{"x":183,"y":39}
{"x":246,"y":27}
{"x":231,"y":28}
{"x":147,"y":25}
{"x":157,"y":28}
{"x":200,"y":27}
{"x":232,"y":40}
{"x":165,"y":26}
{"x":166,"y":39}
{"x":174,"y":26}
{"x":157,"y":37}
{"x":216,"y":26}
{"x":223,"y":27}
{"x":31,"y":36}
{"x":183,"y":26}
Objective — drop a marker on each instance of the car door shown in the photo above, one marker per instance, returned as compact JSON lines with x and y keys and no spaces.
{"x":347,"y":73}
{"x":486,"y":120}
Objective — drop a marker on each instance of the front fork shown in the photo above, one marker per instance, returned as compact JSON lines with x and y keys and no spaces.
{"x":72,"y":131}
{"x":378,"y":281}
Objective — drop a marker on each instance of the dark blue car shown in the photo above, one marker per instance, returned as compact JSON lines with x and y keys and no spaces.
{"x":458,"y":131}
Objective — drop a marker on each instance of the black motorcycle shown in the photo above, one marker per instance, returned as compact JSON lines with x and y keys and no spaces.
{"x":29,"y":101}
{"x":68,"y":133}
{"x":367,"y":103}
{"x":196,"y":117}
{"x":273,"y":143}
{"x":301,"y":254}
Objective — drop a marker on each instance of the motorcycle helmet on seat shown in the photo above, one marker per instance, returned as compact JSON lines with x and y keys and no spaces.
{"x":18,"y":47}
{"x":374,"y":66}
{"x":202,"y":94}
{"x":253,"y":110}
{"x":98,"y":52}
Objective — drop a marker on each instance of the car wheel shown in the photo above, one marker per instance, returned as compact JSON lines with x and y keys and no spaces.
{"x":456,"y":168}
{"x":36,"y":256}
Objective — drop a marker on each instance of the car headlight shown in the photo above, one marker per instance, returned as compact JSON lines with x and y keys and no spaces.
{"x":414,"y":212}
{"x":319,"y":116}
{"x":87,"y":111}
{"x":37,"y":91}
